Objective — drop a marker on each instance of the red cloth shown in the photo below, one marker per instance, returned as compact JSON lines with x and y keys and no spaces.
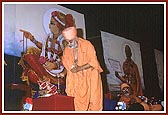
{"x":50,"y":88}
{"x":54,"y":103}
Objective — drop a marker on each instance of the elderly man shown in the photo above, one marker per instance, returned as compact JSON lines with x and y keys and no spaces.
{"x":83,"y":80}
{"x":127,"y":95}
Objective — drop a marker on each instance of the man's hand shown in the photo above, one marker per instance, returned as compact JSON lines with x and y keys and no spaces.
{"x":50,"y":65}
{"x":75,"y":68}
{"x":61,"y":75}
{"x":27,"y":34}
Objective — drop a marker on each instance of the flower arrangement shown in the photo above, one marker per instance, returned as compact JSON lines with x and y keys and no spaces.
{"x":121,"y":106}
{"x":28,"y":105}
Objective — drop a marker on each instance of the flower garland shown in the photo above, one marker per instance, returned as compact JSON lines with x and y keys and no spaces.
{"x":55,"y":56}
{"x":58,"y":43}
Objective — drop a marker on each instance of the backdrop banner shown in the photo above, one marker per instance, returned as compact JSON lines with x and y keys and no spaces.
{"x":114,"y":56}
{"x":34,"y":18}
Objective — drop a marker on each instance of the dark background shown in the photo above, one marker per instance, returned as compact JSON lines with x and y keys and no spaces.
{"x":142,"y":23}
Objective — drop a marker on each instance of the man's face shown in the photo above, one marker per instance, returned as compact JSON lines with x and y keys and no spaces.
{"x":72,"y":43}
{"x":54,"y":26}
{"x":126,"y":91}
{"x":128,"y":52}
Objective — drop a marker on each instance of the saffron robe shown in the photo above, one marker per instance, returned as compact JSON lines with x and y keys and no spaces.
{"x":86,"y":85}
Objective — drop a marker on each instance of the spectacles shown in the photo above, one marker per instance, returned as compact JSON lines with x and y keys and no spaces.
{"x":125,"y":89}
{"x":71,"y":41}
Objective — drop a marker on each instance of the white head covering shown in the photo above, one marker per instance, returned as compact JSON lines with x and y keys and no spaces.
{"x":69,"y":33}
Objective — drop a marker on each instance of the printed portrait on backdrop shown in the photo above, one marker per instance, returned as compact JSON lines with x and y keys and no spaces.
{"x":123,"y":60}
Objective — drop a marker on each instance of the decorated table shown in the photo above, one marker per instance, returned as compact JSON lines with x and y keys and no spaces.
{"x":54,"y":103}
